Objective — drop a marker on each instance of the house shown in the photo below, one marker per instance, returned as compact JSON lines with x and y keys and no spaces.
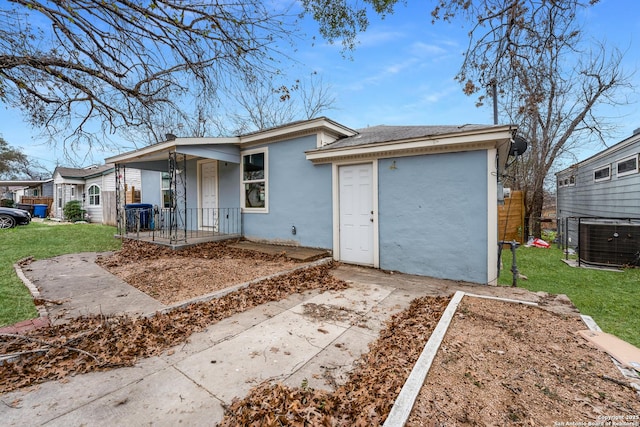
{"x":598,"y":204}
{"x":15,"y":190}
{"x":416,"y":199}
{"x":94,"y":187}
{"x":32,"y":195}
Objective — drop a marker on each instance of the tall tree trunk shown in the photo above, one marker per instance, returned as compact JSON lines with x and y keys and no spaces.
{"x":535,"y":212}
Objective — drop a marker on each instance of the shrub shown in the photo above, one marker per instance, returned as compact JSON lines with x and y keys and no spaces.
{"x":73,"y":211}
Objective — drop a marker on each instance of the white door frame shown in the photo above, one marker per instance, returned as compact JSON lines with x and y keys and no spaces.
{"x":335,"y":184}
{"x":199,"y":164}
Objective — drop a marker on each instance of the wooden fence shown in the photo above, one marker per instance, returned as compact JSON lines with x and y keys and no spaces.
{"x":40,"y":200}
{"x":109,"y":204}
{"x":511,"y":218}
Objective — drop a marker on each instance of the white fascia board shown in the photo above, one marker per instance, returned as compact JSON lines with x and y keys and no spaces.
{"x":76,"y":181}
{"x":441,"y":144}
{"x":292,"y":130}
{"x":157,"y":151}
{"x":143,"y":152}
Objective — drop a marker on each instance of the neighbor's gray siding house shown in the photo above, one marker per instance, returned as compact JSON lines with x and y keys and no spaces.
{"x":597,"y":191}
{"x":416,"y":199}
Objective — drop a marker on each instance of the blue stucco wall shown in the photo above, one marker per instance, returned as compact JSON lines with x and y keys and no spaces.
{"x":228,"y":185}
{"x":433,"y":215}
{"x":150,"y":187}
{"x":299,"y":195}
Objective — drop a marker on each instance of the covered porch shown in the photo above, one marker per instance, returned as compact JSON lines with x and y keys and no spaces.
{"x":189,"y":193}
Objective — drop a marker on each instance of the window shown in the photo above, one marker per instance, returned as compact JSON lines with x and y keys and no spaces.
{"x":59,"y":197}
{"x":602,"y":174}
{"x":166,"y":190}
{"x":572,"y":180}
{"x":254,"y":180}
{"x":627,"y":166}
{"x":73,"y":191}
{"x":94,"y":195}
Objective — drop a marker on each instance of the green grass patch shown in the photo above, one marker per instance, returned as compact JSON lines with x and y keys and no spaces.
{"x":611,"y":298}
{"x":41,"y":241}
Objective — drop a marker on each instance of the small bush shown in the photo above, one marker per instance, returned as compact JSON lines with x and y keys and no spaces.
{"x":73,"y":211}
{"x":549,"y":236}
{"x":6,"y":203}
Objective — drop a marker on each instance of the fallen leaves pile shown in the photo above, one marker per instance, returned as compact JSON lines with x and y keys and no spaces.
{"x":173,"y":276}
{"x":369,"y":393}
{"x":98,"y":342}
{"x":135,"y":251}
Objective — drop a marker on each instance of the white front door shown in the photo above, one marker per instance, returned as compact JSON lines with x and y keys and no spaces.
{"x":209,"y":194}
{"x":356,"y":214}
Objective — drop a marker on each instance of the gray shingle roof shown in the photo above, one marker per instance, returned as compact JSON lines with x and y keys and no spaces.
{"x":383,"y":133}
{"x":83,"y":172}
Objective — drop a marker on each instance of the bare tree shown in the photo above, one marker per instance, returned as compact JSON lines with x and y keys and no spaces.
{"x":549,"y":78}
{"x":14,"y":164}
{"x":266,"y":103}
{"x":94,"y":65}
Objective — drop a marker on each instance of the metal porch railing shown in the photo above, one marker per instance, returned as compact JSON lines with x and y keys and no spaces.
{"x":180,"y":225}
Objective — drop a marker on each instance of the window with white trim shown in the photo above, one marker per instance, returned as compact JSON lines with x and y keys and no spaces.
{"x":94,"y":195}
{"x":627,"y":166}
{"x":602,"y":174}
{"x":165,"y":188}
{"x":254,"y":171}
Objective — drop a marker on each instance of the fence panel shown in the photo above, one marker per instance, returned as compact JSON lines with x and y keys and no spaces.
{"x":511,"y":218}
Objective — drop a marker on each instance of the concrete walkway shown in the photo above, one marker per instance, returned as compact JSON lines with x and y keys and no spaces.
{"x":312,"y":336}
{"x":282,"y":341}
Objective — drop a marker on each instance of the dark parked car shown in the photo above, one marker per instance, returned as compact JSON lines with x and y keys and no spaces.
{"x":10,"y":217}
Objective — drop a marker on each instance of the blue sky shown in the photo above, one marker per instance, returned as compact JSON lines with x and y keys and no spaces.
{"x":402,"y":72}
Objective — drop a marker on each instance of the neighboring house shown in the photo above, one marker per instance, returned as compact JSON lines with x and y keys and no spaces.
{"x":94,"y":187}
{"x":416,"y":199}
{"x":598,"y":204}
{"x":16,"y":189}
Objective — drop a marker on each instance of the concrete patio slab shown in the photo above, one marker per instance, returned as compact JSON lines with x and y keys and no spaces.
{"x":271,"y":350}
{"x":294,"y":252}
{"x":164,"y":398}
{"x":85,"y":288}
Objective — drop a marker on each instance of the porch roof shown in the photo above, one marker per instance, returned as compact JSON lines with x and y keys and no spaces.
{"x":155,"y":156}
{"x":228,"y":148}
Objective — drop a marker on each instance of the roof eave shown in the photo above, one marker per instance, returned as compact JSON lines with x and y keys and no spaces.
{"x":494,"y":137}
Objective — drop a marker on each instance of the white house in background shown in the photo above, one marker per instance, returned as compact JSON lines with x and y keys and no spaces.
{"x":94,"y":187}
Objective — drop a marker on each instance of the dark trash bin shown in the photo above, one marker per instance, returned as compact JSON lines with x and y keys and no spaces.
{"x":25,"y":207}
{"x":40,"y":211}
{"x":142,"y":212}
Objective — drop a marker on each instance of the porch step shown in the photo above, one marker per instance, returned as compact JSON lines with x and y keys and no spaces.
{"x":297,"y":253}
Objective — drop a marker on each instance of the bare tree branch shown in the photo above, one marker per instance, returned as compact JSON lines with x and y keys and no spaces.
{"x":72,"y":64}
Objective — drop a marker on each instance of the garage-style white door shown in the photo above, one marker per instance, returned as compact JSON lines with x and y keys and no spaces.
{"x":356,"y":214}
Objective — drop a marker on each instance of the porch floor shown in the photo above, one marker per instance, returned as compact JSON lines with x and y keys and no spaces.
{"x":294,"y":252}
{"x":201,"y":237}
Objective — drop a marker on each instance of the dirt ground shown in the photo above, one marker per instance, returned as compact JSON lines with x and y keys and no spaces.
{"x":499,"y":364}
{"x":175,"y":276}
{"x":503,"y":363}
